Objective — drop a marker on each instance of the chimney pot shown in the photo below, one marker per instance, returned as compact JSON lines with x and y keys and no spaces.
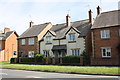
{"x":68,"y":20}
{"x":98,"y":10}
{"x":6,"y":30}
{"x":90,"y":16}
{"x":31,"y":23}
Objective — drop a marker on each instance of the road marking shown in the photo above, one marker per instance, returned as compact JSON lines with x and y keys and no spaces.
{"x":3,"y":73}
{"x":32,"y":77}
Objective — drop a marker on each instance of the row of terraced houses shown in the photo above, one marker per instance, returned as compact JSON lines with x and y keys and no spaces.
{"x":100,"y":37}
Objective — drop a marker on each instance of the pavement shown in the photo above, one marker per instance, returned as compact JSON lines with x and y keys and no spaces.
{"x":9,"y":74}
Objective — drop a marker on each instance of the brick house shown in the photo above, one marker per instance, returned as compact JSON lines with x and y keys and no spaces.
{"x":67,"y":39}
{"x":106,"y":38}
{"x":28,"y":42}
{"x":8,"y":44}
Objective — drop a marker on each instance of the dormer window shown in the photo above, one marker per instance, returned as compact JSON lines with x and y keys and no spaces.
{"x":72,"y":37}
{"x":48,"y":39}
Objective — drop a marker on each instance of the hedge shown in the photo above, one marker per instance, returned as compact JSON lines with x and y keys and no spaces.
{"x":27,"y":59}
{"x":38,"y":59}
{"x":12,"y":60}
{"x":71,"y":59}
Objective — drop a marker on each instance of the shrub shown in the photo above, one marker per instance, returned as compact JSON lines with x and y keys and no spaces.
{"x":71,"y":59}
{"x":39,"y":57}
{"x":27,"y":59}
{"x":12,"y":60}
{"x":85,"y":57}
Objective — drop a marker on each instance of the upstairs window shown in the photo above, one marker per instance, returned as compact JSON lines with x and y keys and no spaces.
{"x":72,"y":37}
{"x":48,"y":39}
{"x":31,"y":41}
{"x":105,"y":34}
{"x":23,"y":42}
{"x":106,"y":52}
{"x":75,"y":52}
{"x":46,"y":53}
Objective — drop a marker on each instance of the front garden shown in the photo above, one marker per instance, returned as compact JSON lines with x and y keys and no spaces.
{"x":66,"y":69}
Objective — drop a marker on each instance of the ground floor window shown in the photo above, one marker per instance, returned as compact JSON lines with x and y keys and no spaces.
{"x":75,"y":52}
{"x":46,"y":53}
{"x":106,"y":52}
{"x":31,"y":54}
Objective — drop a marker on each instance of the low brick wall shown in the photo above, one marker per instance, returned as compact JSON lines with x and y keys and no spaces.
{"x":105,"y":61}
{"x":52,"y":61}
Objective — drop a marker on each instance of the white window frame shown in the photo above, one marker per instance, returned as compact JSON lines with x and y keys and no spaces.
{"x":46,"y":53}
{"x":48,"y":39}
{"x":23,"y":42}
{"x":72,"y":36}
{"x":31,"y":41}
{"x":107,"y":52}
{"x":105,"y":34}
{"x":75,"y":52}
{"x":31,"y":54}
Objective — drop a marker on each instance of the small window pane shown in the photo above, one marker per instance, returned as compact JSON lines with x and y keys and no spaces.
{"x":31,"y":53}
{"x":105,"y":34}
{"x":23,"y":41}
{"x":106,"y":52}
{"x":48,"y":39}
{"x":72,"y":37}
{"x":31,"y":41}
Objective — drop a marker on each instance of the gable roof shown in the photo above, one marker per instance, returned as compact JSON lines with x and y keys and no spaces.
{"x":107,"y":19}
{"x":6,"y":35}
{"x":34,"y":30}
{"x":82,"y":26}
{"x":51,"y":32}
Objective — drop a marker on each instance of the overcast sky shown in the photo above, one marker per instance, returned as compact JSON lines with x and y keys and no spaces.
{"x":16,"y":14}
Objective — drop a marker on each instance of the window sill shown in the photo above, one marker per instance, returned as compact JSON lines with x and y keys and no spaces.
{"x":31,"y":44}
{"x":105,"y":38}
{"x":48,"y":43}
{"x":106,"y":57}
{"x":71,"y":41}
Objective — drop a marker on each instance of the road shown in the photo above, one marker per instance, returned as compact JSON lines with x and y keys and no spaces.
{"x":8,"y":73}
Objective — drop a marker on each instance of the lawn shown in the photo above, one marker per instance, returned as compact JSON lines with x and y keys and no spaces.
{"x":67,"y":69}
{"x":4,"y":61}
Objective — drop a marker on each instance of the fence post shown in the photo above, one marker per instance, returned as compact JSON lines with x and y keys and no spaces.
{"x":60,"y":60}
{"x":46,"y":60}
{"x":53,"y":60}
{"x":81,"y":61}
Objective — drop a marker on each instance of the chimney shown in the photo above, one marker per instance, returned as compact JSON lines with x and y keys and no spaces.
{"x":90,"y":16}
{"x":98,"y":10}
{"x":68,"y":20}
{"x":31,"y":23}
{"x":6,"y":30}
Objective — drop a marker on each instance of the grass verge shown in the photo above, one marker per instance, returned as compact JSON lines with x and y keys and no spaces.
{"x":67,"y":69}
{"x":4,"y":61}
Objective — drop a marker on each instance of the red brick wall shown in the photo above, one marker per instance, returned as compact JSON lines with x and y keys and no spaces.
{"x":10,"y":47}
{"x":88,"y":45}
{"x":26,"y":48}
{"x":2,"y":55}
{"x":2,"y":44}
{"x":112,"y":42}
